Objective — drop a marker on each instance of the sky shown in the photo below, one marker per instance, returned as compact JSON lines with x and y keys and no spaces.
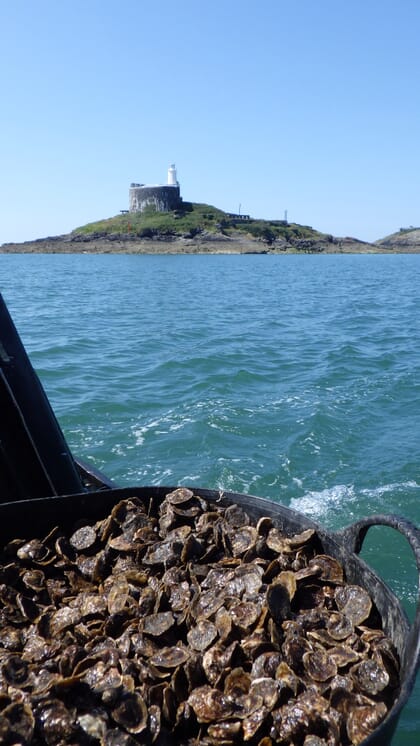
{"x":309,"y":107}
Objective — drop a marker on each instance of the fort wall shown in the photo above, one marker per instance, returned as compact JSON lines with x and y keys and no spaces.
{"x":161,"y":198}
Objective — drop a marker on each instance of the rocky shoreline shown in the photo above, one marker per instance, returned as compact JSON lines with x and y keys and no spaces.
{"x":406,"y":241}
{"x":203,"y":243}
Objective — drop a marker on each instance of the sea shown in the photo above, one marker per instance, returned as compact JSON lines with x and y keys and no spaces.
{"x":294,"y":378}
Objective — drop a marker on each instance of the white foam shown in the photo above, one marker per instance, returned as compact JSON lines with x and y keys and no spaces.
{"x":181,"y":424}
{"x":118,"y":449}
{"x":320,"y":504}
{"x":163,"y":476}
{"x":331,"y":501}
{"x":393,"y":487}
{"x":140,"y":432}
{"x":169,"y":422}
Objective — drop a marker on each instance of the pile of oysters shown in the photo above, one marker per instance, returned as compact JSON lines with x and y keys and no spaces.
{"x":186,"y":622}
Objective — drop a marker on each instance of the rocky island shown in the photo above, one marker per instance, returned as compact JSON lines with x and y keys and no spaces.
{"x":159,"y":221}
{"x":195,"y":228}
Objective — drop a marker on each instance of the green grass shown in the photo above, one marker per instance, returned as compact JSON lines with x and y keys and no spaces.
{"x":191,"y":220}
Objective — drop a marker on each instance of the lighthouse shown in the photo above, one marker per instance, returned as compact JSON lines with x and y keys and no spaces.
{"x":156,"y":197}
{"x":172,"y":180}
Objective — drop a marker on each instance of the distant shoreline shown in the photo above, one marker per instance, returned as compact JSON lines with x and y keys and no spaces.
{"x":207,"y":244}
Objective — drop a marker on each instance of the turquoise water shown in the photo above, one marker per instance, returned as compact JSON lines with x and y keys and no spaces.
{"x":294,"y":378}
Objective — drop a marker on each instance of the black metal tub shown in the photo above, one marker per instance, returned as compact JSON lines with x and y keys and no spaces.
{"x":35,"y":517}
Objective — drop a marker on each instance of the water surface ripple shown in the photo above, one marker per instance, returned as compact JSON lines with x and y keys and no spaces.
{"x":291,"y":377}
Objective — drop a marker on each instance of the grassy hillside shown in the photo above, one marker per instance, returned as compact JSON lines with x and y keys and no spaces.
{"x":192,"y":220}
{"x":406,"y":237}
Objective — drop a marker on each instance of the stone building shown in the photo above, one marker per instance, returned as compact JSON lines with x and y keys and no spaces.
{"x":160,"y":197}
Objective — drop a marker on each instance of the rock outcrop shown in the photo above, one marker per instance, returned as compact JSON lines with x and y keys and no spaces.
{"x":405,"y":241}
{"x":201,"y":243}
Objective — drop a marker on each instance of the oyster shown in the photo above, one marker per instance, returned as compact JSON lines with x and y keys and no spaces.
{"x":363,"y":720}
{"x":210,"y":705}
{"x":354,"y":603}
{"x":189,"y":623}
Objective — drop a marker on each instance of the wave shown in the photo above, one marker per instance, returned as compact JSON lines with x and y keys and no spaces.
{"x":320,"y":504}
{"x":346,"y":501}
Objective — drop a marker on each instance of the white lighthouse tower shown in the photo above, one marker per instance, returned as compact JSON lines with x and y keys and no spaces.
{"x":172,"y":180}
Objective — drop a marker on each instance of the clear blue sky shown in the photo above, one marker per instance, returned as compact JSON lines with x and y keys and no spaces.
{"x":313,"y":107}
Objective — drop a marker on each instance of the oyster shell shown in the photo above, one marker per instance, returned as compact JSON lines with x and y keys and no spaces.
{"x":184,"y":622}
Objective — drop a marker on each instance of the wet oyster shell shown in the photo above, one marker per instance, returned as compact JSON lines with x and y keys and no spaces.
{"x":362,"y":721}
{"x":184,"y":622}
{"x":354,"y":603}
{"x":210,"y":705}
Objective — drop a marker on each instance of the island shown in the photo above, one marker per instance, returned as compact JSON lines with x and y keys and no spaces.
{"x":194,"y":228}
